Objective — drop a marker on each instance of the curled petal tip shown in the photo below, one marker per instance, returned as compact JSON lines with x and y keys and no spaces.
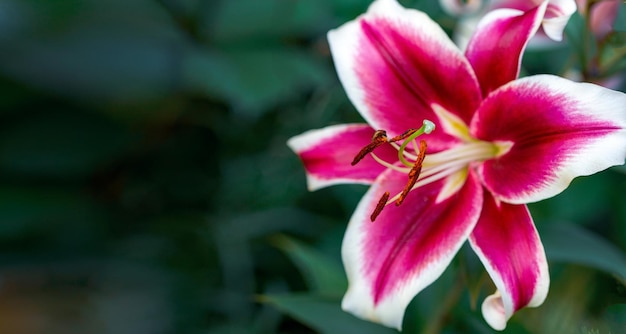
{"x":557,"y":15}
{"x":494,"y":312}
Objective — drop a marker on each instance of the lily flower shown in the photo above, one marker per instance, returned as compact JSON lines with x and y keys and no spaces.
{"x":556,"y":16}
{"x":454,"y":147}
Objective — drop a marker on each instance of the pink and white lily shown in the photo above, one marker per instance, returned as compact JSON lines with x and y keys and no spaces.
{"x":556,"y":16}
{"x":465,"y":145}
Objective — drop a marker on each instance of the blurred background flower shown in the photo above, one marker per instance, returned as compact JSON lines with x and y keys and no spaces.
{"x":601,"y":14}
{"x":146,"y":186}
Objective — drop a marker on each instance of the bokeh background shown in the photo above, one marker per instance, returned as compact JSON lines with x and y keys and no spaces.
{"x":145,"y":184}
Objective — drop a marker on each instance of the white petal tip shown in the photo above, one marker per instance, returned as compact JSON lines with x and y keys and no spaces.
{"x":356,"y":302}
{"x":553,"y":27}
{"x":494,"y":312}
{"x":556,"y":36}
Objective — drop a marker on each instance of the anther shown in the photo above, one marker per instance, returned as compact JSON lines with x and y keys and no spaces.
{"x":404,"y":135}
{"x":414,"y":173}
{"x":380,"y":206}
{"x":379,"y":138}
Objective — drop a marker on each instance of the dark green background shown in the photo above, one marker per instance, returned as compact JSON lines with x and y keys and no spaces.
{"x":145,"y":184}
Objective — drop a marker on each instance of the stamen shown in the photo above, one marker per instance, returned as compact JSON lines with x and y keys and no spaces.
{"x":413,"y":169}
{"x":403,"y":135}
{"x":379,"y":138}
{"x":415,"y":148}
{"x":380,"y":206}
{"x":414,"y":173}
{"x":424,"y":180}
{"x":388,"y":165}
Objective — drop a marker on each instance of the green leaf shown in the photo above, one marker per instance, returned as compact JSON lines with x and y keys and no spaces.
{"x":322,"y":314}
{"x":570,"y":243}
{"x":323,"y":274}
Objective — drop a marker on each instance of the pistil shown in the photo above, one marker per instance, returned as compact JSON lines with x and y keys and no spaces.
{"x":379,"y":138}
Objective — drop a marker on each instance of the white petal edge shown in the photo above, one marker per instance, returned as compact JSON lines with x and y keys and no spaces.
{"x":308,"y":140}
{"x":390,"y":312}
{"x":494,"y":311}
{"x":498,"y":308}
{"x":344,"y":40}
{"x":593,"y":101}
{"x":553,"y":27}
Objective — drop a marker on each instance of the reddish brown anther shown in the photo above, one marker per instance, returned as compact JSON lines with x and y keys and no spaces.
{"x":379,"y":138}
{"x":380,"y":206}
{"x":414,"y":173}
{"x":404,"y":135}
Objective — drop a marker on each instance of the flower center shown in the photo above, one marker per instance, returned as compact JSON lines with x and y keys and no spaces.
{"x":422,"y":169}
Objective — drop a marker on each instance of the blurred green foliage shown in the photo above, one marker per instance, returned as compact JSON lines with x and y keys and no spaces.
{"x":146,"y":186}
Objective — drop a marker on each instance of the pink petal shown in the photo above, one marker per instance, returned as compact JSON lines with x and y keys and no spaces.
{"x":395,"y":63}
{"x":507,"y":243}
{"x":559,"y":130}
{"x":390,"y":260}
{"x":327,"y":155}
{"x":495,"y":50}
{"x":556,"y":17}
